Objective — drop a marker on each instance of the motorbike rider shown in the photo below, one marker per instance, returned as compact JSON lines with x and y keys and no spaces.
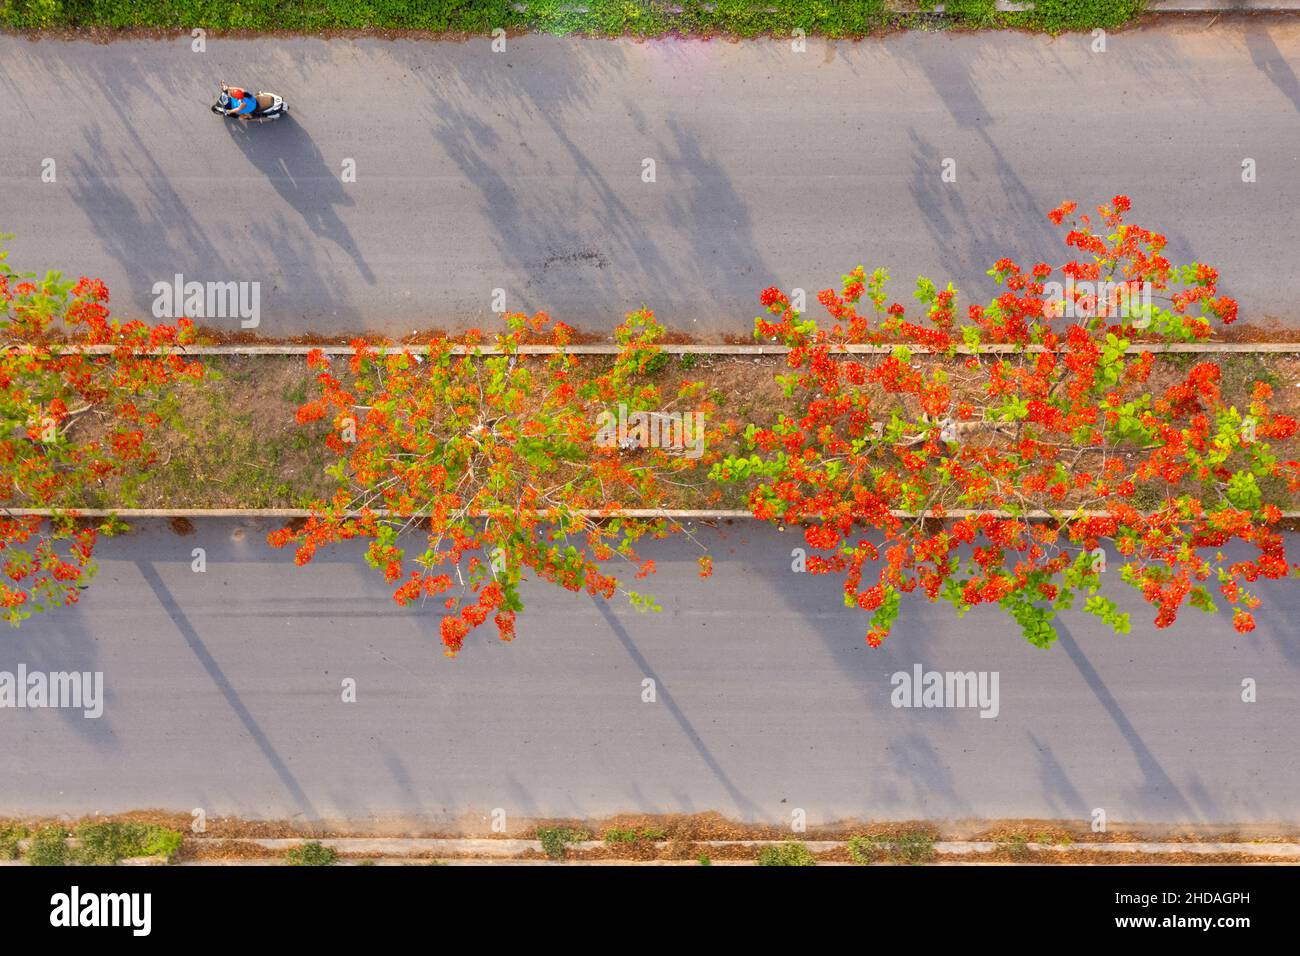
{"x":242,"y":102}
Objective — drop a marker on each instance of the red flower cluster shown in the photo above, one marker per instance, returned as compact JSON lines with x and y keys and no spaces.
{"x":501,"y":459}
{"x":1061,"y":422}
{"x":55,"y":459}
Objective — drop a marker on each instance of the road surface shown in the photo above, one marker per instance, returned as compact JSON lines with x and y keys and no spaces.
{"x":523,"y":171}
{"x":223,"y":691}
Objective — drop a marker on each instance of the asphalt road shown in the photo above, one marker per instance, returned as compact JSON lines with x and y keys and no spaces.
{"x":223,"y":691}
{"x":522,"y":170}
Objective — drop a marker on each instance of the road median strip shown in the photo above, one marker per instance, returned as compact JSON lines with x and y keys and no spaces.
{"x":237,"y":448}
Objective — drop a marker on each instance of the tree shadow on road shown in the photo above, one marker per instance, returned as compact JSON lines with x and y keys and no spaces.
{"x":284,"y":152}
{"x":1272,"y":63}
{"x":1159,"y":794}
{"x":219,"y":679}
{"x":150,"y":240}
{"x":64,"y":641}
{"x":741,"y":801}
{"x":574,"y":224}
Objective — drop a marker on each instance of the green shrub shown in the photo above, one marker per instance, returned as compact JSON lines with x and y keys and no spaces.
{"x":865,"y":850}
{"x":48,"y":847}
{"x":786,"y":854}
{"x":312,"y":853}
{"x":9,"y":837}
{"x":161,"y":841}
{"x":555,"y":840}
{"x":915,"y":846}
{"x":105,"y":844}
{"x":102,"y":844}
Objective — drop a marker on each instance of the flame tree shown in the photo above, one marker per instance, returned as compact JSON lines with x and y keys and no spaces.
{"x":70,"y":422}
{"x":1037,"y":455}
{"x":495,"y":457}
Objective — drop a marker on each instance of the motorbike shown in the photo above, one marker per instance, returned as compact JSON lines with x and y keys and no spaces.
{"x":269,"y":106}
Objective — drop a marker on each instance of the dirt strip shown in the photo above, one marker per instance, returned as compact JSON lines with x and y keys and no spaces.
{"x":683,"y":839}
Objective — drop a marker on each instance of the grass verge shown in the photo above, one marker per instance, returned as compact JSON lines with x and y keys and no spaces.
{"x":641,"y":18}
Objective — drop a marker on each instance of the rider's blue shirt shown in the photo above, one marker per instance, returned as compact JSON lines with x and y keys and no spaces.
{"x":246,"y":105}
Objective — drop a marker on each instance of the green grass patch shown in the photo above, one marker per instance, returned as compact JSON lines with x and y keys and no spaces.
{"x":865,"y":850}
{"x":48,"y":847}
{"x":914,"y":846}
{"x":786,"y":854}
{"x":9,"y":837}
{"x":641,"y":18}
{"x":234,"y":443}
{"x":98,"y":844}
{"x":312,"y":853}
{"x":555,"y":840}
{"x":106,"y":844}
